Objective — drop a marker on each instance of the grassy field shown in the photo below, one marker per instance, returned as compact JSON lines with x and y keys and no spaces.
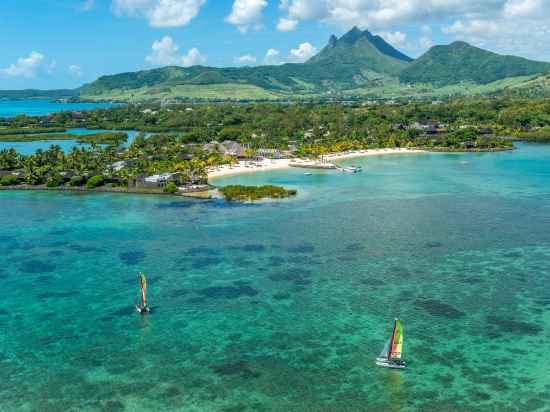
{"x":228,"y":91}
{"x":392,"y":88}
{"x":376,"y":86}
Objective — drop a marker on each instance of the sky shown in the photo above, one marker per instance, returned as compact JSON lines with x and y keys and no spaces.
{"x":51,"y":44}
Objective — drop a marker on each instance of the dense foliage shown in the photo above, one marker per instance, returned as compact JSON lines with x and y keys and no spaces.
{"x":239,"y":193}
{"x":539,"y":135}
{"x":33,"y":130}
{"x":306,"y":130}
{"x":460,"y":62}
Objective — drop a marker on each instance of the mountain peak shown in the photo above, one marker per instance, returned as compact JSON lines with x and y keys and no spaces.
{"x":352,"y":36}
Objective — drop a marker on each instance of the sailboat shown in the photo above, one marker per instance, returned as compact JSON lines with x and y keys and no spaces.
{"x":391,"y":355}
{"x":142,"y":307}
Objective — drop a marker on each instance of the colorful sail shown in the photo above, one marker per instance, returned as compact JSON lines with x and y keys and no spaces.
{"x":143,"y":285}
{"x":396,"y":345}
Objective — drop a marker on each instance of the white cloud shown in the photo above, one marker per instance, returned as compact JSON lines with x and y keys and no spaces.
{"x":287,"y":24}
{"x":166,"y":53}
{"x":509,"y":26}
{"x":25,"y":66}
{"x":272,"y":57}
{"x":522,"y":8}
{"x":160,"y":13}
{"x":304,"y":52}
{"x":247,"y":14}
{"x":246,"y":59}
{"x":75,"y":70}
{"x":396,"y":39}
{"x":88,"y":5}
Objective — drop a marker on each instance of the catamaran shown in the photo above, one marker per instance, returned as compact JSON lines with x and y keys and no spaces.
{"x":142,"y":307}
{"x":391,"y":356}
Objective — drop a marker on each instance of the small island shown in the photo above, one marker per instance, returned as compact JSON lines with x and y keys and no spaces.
{"x":239,"y":193}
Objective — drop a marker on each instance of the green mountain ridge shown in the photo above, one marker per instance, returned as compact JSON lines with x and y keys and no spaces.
{"x":356,"y":64}
{"x":460,"y":62}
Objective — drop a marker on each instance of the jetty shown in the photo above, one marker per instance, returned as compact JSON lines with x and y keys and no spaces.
{"x":312,"y":164}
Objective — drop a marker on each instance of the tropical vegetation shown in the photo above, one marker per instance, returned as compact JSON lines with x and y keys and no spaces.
{"x":233,"y":193}
{"x":186,"y":138}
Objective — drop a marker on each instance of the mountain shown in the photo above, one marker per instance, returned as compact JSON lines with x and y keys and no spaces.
{"x":461,"y":62}
{"x":356,"y":64}
{"x":360,"y":49}
{"x":344,"y":63}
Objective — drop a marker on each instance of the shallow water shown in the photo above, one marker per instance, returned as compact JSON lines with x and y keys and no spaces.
{"x":28,"y":148}
{"x":42,"y":107}
{"x":284,"y":305}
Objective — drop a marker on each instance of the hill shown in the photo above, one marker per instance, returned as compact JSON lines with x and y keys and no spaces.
{"x":363,"y":51}
{"x":358,"y":64}
{"x":461,"y":62}
{"x":344,"y":63}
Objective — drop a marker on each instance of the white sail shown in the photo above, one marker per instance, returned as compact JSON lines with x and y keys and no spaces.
{"x":386,"y":350}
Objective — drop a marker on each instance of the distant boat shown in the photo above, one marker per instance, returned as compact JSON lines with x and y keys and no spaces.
{"x":391,"y":356}
{"x":142,"y":307}
{"x":308,"y":173}
{"x":352,"y":169}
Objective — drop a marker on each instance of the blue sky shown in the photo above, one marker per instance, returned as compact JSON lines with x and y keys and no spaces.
{"x":65,"y":43}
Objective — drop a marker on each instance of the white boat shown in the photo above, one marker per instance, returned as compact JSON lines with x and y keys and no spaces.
{"x":308,"y":173}
{"x":352,"y":169}
{"x":391,"y":355}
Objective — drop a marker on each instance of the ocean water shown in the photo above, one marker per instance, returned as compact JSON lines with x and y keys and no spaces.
{"x":283,"y":306}
{"x":28,"y":148}
{"x":40,"y":107}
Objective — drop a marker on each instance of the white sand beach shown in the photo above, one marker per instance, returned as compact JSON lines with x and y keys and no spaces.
{"x":274,"y":164}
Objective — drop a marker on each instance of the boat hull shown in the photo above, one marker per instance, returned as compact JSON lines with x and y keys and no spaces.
{"x":142,"y":310}
{"x":384,"y":363}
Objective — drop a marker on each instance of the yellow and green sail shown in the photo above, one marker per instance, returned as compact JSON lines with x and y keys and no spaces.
{"x":143,"y":286}
{"x":396,"y":344}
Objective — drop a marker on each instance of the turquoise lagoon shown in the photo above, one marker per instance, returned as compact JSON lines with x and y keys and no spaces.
{"x":42,"y":107}
{"x":283,"y":306}
{"x":28,"y":148}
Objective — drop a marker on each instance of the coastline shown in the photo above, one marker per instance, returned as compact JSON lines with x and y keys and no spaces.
{"x":80,"y":189}
{"x":278,"y":164}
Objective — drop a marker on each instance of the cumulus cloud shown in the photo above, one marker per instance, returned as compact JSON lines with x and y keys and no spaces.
{"x":166,"y":53}
{"x":396,"y":39}
{"x":246,"y":59}
{"x":246,"y":15}
{"x":272,"y":57}
{"x":75,"y":70}
{"x":377,"y":14}
{"x":304,"y":52}
{"x":287,"y":24}
{"x":517,"y":27}
{"x":160,"y":13}
{"x":523,"y":8}
{"x":25,"y":66}
{"x":512,"y":26}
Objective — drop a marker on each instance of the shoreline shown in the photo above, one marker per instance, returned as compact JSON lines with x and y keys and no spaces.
{"x":115,"y":190}
{"x":278,"y":164}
